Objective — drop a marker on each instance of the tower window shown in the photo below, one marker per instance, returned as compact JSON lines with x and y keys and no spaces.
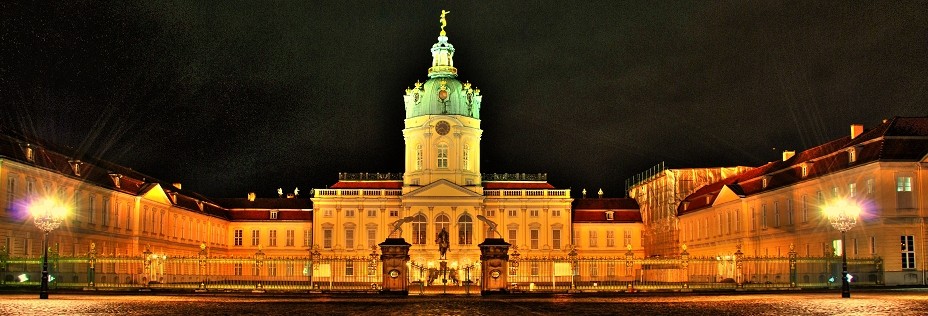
{"x":466,"y":156}
{"x":419,"y":157}
{"x":442,"y":155}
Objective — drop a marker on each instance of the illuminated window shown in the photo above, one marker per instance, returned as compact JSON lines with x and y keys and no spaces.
{"x":442,"y":155}
{"x":465,"y":230}
{"x":419,"y":157}
{"x":852,"y":155}
{"x":869,"y":187}
{"x":106,"y":211}
{"x":307,"y":237}
{"x":291,"y":236}
{"x":852,"y":189}
{"x":835,"y":191}
{"x":764,"y":182}
{"x":908,"y":251}
{"x":237,"y":268}
{"x":442,"y":222}
{"x":904,"y":196}
{"x":610,"y":215}
{"x":610,"y":238}
{"x":805,"y":170}
{"x":627,"y":238}
{"x":273,"y":214}
{"x":763,"y":216}
{"x":418,"y":229}
{"x":556,"y":238}
{"x":238,"y":236}
{"x":593,"y":239}
{"x":272,"y":238}
{"x":255,"y":237}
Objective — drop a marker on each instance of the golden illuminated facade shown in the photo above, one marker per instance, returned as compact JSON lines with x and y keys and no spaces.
{"x":777,"y":206}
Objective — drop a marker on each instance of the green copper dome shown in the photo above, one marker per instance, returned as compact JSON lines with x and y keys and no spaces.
{"x":443,"y":96}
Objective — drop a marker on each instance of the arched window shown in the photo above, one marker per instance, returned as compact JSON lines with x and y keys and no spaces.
{"x":419,"y":157}
{"x":442,"y":155}
{"x":466,"y":155}
{"x":465,"y":230}
{"x":418,"y":229}
{"x":442,"y":222}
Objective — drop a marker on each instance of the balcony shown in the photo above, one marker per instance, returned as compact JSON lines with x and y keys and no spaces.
{"x":357,"y":192}
{"x":538,"y":194}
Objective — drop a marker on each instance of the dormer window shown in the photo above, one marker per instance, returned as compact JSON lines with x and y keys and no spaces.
{"x":765,"y":181}
{"x":76,"y":166}
{"x":610,"y":215}
{"x":29,"y":151}
{"x":274,"y":214}
{"x":851,"y":155}
{"x":805,"y":167}
{"x":116,"y":177}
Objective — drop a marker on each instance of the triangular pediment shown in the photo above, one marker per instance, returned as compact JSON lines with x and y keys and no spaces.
{"x":726,"y":195}
{"x":156,"y":193}
{"x":442,"y":188}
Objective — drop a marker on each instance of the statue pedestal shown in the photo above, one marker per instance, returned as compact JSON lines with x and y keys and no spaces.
{"x":494,"y":263}
{"x":394,"y":255}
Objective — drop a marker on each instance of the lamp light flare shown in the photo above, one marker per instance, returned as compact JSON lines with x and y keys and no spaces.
{"x":48,"y":213}
{"x":842,"y":214}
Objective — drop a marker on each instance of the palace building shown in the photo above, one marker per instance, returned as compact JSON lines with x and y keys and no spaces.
{"x":769,"y":210}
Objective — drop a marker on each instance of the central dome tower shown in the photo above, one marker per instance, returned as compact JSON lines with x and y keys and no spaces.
{"x":442,"y":126}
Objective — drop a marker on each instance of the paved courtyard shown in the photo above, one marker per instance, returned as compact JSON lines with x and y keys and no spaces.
{"x":882,"y":302}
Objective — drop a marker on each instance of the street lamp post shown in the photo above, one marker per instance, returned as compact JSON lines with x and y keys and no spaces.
{"x":48,"y":215}
{"x":843,"y":216}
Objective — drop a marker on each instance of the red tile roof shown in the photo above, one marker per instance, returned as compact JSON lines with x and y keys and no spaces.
{"x":606,"y":204}
{"x":368,"y":185}
{"x":899,"y":139}
{"x":516,"y":185}
{"x":625,"y":210}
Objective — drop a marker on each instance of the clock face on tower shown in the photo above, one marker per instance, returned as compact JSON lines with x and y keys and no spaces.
{"x":442,"y":128}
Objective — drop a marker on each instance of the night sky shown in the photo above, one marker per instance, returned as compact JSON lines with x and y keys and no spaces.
{"x":233,"y":97}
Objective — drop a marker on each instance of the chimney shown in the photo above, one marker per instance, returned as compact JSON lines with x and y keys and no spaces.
{"x":251,"y":196}
{"x":856,"y":130}
{"x":787,"y":154}
{"x":177,"y":185}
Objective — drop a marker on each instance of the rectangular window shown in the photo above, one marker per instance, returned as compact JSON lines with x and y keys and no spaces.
{"x":394,"y":213}
{"x":372,"y":237}
{"x":116,"y":215}
{"x":556,"y":213}
{"x":789,"y":212}
{"x":327,"y":213}
{"x":593,"y":238}
{"x":737,"y":220}
{"x":327,"y":238}
{"x":237,"y":268}
{"x":238,"y":237}
{"x":556,"y":239}
{"x":856,"y":250}
{"x":491,"y":213}
{"x":852,"y":189}
{"x":10,"y":189}
{"x":349,"y":238}
{"x":272,"y":238}
{"x":371,"y":213}
{"x":872,"y":245}
{"x":763,"y":216}
{"x":273,"y":214}
{"x":627,"y":238}
{"x":533,"y":237}
{"x":870,"y":186}
{"x":513,"y":234}
{"x":908,"y":251}
{"x":904,"y":196}
{"x":307,"y":237}
{"x":610,"y":238}
{"x":835,"y":191}
{"x":106,"y":211}
{"x":128,"y":216}
{"x":753,"y":219}
{"x":533,"y":213}
{"x":349,"y":213}
{"x":776,"y":214}
{"x":513,"y":213}
{"x":255,"y":237}
{"x":271,"y":269}
{"x":535,"y":268}
{"x":291,"y":236}
{"x":576,"y":237}
{"x":805,"y":209}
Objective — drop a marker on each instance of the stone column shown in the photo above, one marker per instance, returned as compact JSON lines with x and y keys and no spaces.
{"x":494,"y":261}
{"x":394,"y":255}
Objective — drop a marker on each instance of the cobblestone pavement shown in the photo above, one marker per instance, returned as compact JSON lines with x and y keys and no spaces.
{"x":882,"y":302}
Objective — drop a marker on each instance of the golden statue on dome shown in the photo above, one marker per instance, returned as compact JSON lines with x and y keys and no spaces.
{"x":443,"y":22}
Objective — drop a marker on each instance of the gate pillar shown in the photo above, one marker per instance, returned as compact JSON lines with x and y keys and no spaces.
{"x":494,"y":260}
{"x":394,"y":255}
